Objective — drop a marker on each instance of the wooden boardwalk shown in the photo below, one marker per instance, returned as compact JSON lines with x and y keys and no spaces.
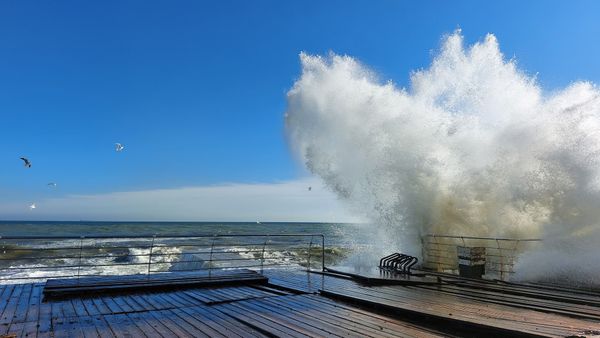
{"x":300,"y":304}
{"x":103,"y":284}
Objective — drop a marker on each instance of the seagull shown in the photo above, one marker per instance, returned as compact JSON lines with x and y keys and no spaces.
{"x":119,"y":147}
{"x":52,"y":184}
{"x":27,"y":163}
{"x":309,"y":188}
{"x":32,"y":206}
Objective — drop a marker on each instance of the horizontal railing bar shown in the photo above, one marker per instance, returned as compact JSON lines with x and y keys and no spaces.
{"x":92,"y":247}
{"x":207,"y":269}
{"x":257,"y":249}
{"x":428,"y":245}
{"x":79,"y":248}
{"x":72,"y":266}
{"x":38,"y":277}
{"x":485,"y":238}
{"x":217,"y":260}
{"x":128,"y":263}
{"x":150,"y":236}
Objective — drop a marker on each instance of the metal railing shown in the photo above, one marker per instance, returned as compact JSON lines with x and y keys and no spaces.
{"x":44,"y":257}
{"x":440,"y":253}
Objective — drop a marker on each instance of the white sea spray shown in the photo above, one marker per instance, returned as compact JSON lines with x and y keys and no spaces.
{"x":473,"y":147}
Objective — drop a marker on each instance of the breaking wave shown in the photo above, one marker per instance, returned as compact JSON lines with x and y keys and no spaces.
{"x":473,"y":147}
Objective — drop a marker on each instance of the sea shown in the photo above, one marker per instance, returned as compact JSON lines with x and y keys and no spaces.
{"x":40,"y":250}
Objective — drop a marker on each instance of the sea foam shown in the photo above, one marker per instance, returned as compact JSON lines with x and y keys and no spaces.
{"x":473,"y":147}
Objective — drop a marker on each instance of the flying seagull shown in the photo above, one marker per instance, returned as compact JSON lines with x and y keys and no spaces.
{"x":32,"y":206}
{"x":52,"y":184}
{"x":119,"y":147}
{"x":309,"y":188}
{"x":27,"y":163}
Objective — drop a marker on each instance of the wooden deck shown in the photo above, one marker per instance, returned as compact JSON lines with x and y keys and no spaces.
{"x":300,"y":304}
{"x":104,"y":284}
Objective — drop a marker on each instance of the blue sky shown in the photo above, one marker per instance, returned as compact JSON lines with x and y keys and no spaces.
{"x":195,"y":90}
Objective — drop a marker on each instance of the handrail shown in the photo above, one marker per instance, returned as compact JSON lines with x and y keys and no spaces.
{"x":439,"y":252}
{"x":161,"y":236}
{"x":485,"y":238}
{"x":43,"y":257}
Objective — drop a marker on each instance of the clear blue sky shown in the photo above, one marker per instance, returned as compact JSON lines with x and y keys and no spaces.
{"x":195,"y":90}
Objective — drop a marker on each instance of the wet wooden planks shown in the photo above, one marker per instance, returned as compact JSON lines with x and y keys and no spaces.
{"x":240,"y":311}
{"x":65,"y":287}
{"x":463,"y":312}
{"x":288,"y":306}
{"x":305,"y":282}
{"x":315,"y":316}
{"x":529,"y":301}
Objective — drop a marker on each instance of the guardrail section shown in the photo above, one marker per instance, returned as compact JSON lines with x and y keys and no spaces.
{"x":440,"y":253}
{"x":34,"y":258}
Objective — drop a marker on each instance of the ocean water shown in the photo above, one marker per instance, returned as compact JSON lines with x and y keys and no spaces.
{"x":205,"y":245}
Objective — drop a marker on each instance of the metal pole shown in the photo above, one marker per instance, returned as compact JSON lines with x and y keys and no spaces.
{"x":501,"y":260}
{"x":212,"y":246}
{"x":262,"y":256}
{"x":309,"y":251}
{"x":150,"y":256}
{"x":323,"y":252}
{"x":423,"y":251}
{"x":80,"y":251}
{"x":437,"y":245}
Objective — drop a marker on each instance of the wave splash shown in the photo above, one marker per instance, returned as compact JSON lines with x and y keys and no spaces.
{"x":472,"y":147}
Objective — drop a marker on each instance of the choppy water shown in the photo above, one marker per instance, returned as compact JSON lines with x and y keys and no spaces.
{"x":25,"y":258}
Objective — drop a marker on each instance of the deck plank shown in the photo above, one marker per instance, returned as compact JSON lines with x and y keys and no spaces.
{"x":9,"y":310}
{"x":30,"y":329}
{"x":102,"y":327}
{"x":254,"y":320}
{"x":123,"y":326}
{"x":228,"y":322}
{"x":310,"y":328}
{"x":198,"y":324}
{"x":164,"y":320}
{"x":445,"y":307}
{"x":182,"y":324}
{"x":23,"y":304}
{"x":66,"y":327}
{"x":44,"y":320}
{"x":158,"y":327}
{"x":33,"y":310}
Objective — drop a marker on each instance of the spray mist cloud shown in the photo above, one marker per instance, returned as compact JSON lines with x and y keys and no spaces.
{"x":472,"y":147}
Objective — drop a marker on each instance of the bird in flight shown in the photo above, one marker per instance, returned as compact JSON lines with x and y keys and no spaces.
{"x":52,"y":184}
{"x":32,"y":206}
{"x":119,"y":147}
{"x":309,"y":188}
{"x":26,"y":162}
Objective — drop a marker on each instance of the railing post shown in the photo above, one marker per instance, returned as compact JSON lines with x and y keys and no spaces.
{"x":423,"y":251}
{"x":323,"y":252}
{"x":309,"y":251}
{"x":262,"y":256}
{"x":512,"y":258}
{"x":437,"y":245}
{"x":80,"y":252}
{"x":150,"y":256}
{"x":212,"y":246}
{"x":501,"y":259}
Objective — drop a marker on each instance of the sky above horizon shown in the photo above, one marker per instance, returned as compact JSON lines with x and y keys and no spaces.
{"x":196,"y":91}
